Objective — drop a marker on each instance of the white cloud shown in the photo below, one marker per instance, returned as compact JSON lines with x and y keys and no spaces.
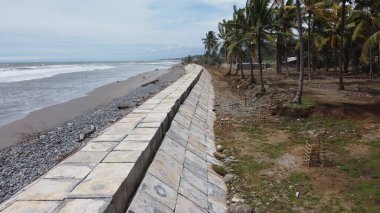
{"x":61,"y":26}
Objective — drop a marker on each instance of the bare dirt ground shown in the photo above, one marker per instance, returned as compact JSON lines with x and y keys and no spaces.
{"x":265,"y":139}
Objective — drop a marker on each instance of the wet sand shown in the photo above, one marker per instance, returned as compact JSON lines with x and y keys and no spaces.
{"x":52,"y":116}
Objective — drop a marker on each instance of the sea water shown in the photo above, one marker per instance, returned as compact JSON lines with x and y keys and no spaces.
{"x":26,"y":87}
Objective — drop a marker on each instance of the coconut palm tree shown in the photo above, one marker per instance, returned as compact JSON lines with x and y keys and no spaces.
{"x":236,"y":36}
{"x":211,"y":43}
{"x":259,"y":13}
{"x":283,"y":24}
{"x":313,"y":9}
{"x":342,"y":24}
{"x":367,"y":17}
{"x":298,"y":98}
{"x":224,"y":32}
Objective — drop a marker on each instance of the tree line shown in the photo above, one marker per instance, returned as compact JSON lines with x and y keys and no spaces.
{"x":331,"y":33}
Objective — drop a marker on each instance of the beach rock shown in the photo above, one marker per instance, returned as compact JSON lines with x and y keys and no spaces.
{"x":231,"y":208}
{"x":219,"y":148}
{"x":82,"y":136}
{"x":245,"y":208}
{"x":219,"y":155}
{"x":42,"y":136}
{"x":228,"y":178}
{"x":236,"y":199}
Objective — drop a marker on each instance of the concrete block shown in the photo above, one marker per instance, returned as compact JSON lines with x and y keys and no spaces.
{"x":149,"y":125}
{"x":48,"y":189}
{"x":217,"y":180}
{"x":132,"y":145}
{"x":194,"y":180}
{"x":104,"y":181}
{"x":197,"y":152}
{"x":166,"y":169}
{"x":109,"y":138}
{"x":122,"y":157}
{"x":83,"y":206}
{"x":177,"y":138}
{"x":86,"y":157}
{"x":186,"y":206}
{"x":159,"y":190}
{"x":31,"y":207}
{"x":144,"y":131}
{"x":120,"y":129}
{"x":99,"y":146}
{"x":193,"y":194}
{"x":143,"y":202}
{"x":69,"y":171}
{"x":173,"y":149}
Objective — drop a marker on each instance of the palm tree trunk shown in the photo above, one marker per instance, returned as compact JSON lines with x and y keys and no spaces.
{"x":309,"y":45}
{"x":378,"y":63}
{"x":298,"y":98}
{"x":230,"y":70}
{"x":237,"y":66}
{"x":335,"y":59}
{"x":370,"y":62}
{"x":252,"y":76}
{"x":260,"y":61}
{"x":341,"y":84}
{"x":286,"y":57}
{"x":242,"y":68}
{"x":278,"y":56}
{"x":370,"y":58}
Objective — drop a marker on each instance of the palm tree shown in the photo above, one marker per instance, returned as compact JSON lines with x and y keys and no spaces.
{"x":259,"y":13}
{"x":315,"y":8}
{"x":343,"y":17}
{"x":367,"y":46}
{"x":284,"y":19}
{"x":224,"y":32}
{"x":210,"y":42}
{"x":367,"y":17}
{"x":236,"y":36}
{"x":298,"y":98}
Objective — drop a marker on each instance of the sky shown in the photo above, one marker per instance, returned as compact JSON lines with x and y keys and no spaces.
{"x":107,"y":30}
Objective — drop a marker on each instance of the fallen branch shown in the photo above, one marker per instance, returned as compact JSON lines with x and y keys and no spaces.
{"x":150,"y":82}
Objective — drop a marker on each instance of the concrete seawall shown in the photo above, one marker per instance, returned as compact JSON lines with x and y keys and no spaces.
{"x":104,"y":175}
{"x":180,"y":178}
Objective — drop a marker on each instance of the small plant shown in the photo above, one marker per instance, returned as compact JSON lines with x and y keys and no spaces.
{"x":219,"y":169}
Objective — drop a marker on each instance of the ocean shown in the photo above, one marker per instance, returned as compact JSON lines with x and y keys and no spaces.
{"x":27,"y":87}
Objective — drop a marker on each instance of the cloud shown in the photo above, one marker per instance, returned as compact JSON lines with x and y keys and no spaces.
{"x":72,"y":28}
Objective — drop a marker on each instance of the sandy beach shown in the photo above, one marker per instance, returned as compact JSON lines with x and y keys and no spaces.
{"x":51,"y":117}
{"x":36,"y":143}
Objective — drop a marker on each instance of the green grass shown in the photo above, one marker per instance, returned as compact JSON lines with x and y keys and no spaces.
{"x":247,"y":166}
{"x":273,"y":150}
{"x":254,"y":131}
{"x":366,"y":197}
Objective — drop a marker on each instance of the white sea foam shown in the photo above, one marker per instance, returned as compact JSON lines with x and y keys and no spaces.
{"x":24,"y":73}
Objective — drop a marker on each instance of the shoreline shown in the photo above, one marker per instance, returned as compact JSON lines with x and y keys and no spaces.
{"x":54,"y":115}
{"x":25,"y":161}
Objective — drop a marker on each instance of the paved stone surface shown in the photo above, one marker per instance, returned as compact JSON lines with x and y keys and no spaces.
{"x":185,"y":166}
{"x":103,"y":181}
{"x":33,"y":206}
{"x":83,"y":205}
{"x":103,"y":175}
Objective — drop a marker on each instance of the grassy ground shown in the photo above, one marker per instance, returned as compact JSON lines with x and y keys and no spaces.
{"x":271,"y":173}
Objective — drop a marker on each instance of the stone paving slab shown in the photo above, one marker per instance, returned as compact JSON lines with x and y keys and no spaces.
{"x":185,"y":166}
{"x":104,"y":174}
